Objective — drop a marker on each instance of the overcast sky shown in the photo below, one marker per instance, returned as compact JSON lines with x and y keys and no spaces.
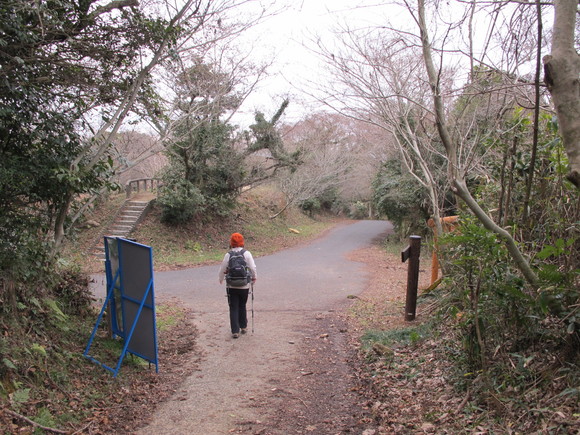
{"x":287,"y":36}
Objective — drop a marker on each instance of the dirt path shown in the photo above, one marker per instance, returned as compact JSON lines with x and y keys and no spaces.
{"x":291,"y":375}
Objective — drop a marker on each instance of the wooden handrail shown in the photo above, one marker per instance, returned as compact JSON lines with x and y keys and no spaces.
{"x":142,"y":184}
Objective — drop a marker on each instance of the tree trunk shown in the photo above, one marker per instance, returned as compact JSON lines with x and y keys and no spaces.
{"x":536,"y":117}
{"x":104,"y":136}
{"x":562,"y":72}
{"x":510,"y":186}
{"x":62,"y":213}
{"x":502,"y":204}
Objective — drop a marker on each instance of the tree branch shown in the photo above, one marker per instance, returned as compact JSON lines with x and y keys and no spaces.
{"x":33,"y":423}
{"x":116,"y":4}
{"x":457,"y":174}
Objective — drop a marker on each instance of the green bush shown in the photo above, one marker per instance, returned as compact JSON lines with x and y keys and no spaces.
{"x":358,"y":210}
{"x":399,"y":197}
{"x":179,"y":202}
{"x":491,"y":302}
{"x":310,"y":206}
{"x":328,"y":200}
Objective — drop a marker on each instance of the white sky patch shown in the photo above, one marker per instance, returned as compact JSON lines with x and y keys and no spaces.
{"x":288,"y":38}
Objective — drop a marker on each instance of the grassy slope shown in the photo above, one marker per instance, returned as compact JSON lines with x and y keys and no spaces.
{"x":176,"y":247}
{"x":203,"y":243}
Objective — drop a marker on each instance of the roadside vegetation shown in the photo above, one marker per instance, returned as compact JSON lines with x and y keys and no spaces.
{"x":205,"y":242}
{"x":47,"y":386}
{"x":431,"y":375}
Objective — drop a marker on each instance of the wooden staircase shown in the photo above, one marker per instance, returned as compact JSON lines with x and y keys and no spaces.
{"x":128,"y":217}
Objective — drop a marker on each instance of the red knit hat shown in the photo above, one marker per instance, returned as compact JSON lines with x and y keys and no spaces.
{"x":236,"y":240}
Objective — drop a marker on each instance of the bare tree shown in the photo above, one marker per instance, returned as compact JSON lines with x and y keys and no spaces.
{"x":191,"y":15}
{"x":217,"y":71}
{"x":194,"y":29}
{"x":137,"y":155}
{"x":416,"y":91}
{"x":457,"y":170}
{"x":324,"y":168}
{"x":328,"y":159}
{"x":384,"y":85}
{"x":367,"y":147}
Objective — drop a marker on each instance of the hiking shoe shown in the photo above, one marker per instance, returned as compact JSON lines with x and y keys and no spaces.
{"x":235,"y":335}
{"x":244,"y":330}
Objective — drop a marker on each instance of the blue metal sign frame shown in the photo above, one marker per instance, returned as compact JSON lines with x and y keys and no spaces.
{"x":131,"y":302}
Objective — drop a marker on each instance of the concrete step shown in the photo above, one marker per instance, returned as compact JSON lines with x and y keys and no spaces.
{"x":127,"y":219}
{"x":119,"y":227}
{"x":131,"y":222}
{"x":120,"y":233}
{"x":99,"y":253}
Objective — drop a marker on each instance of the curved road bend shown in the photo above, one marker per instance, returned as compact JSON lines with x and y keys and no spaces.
{"x":293,"y":287}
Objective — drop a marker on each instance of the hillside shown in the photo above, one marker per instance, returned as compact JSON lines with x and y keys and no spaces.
{"x":205,"y":240}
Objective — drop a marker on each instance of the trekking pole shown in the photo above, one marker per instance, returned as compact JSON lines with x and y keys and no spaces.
{"x":252,"y":291}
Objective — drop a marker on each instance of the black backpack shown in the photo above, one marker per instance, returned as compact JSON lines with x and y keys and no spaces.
{"x":237,"y":273}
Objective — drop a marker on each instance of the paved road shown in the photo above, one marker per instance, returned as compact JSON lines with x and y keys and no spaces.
{"x":307,"y":278}
{"x":293,"y":287}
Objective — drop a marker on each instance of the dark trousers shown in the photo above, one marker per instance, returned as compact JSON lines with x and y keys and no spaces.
{"x":237,"y":299}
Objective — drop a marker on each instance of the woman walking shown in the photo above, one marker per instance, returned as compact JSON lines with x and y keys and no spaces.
{"x":239,"y":270}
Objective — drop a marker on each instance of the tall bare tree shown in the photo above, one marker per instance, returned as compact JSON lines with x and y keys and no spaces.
{"x":383,"y":84}
{"x":182,"y":23}
{"x":417,"y":92}
{"x":458,"y":171}
{"x":327,"y":161}
{"x":192,"y":28}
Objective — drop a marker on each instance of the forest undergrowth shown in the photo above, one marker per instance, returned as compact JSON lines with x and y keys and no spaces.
{"x":418,"y":376}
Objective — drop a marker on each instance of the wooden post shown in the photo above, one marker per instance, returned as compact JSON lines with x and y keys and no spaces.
{"x":412,"y":252}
